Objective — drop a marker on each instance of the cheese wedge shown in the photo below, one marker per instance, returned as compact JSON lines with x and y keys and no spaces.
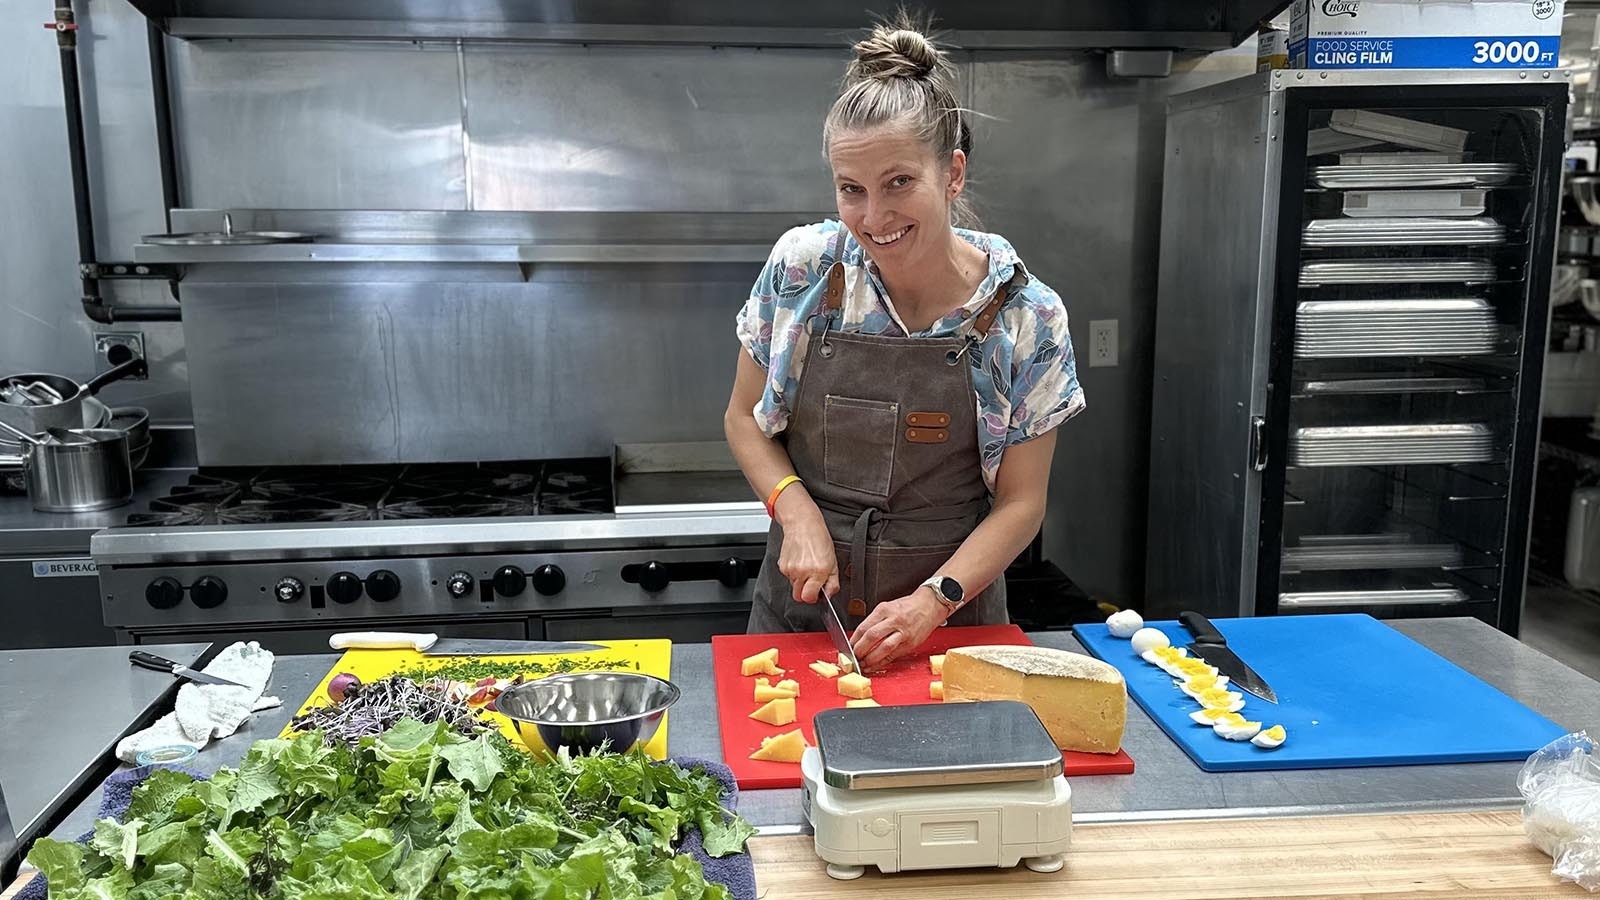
{"x":855,"y":685}
{"x":936,"y":663}
{"x":853,"y":704}
{"x":787,"y":747}
{"x":1082,"y":701}
{"x":790,"y":685}
{"x":845,"y":665}
{"x":825,"y":669}
{"x":767,"y":692}
{"x":936,"y":690}
{"x":763,"y":663}
{"x":776,"y":712}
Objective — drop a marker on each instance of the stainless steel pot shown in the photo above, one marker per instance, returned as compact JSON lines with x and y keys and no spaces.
{"x":78,"y":407}
{"x":77,"y":477}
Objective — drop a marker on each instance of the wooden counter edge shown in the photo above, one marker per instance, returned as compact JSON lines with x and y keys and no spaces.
{"x":1393,"y":857}
{"x":16,"y":887}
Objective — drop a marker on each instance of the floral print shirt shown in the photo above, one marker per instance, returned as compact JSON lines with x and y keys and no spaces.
{"x":1025,"y":380}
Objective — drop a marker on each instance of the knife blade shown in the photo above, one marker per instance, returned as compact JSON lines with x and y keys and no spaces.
{"x":835,"y":626}
{"x":161,"y":664}
{"x":429,"y":644}
{"x":1211,"y":646}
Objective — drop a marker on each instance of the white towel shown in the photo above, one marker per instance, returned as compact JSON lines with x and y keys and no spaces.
{"x":207,"y":711}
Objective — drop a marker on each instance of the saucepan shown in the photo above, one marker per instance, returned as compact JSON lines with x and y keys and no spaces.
{"x":76,"y":477}
{"x":36,"y":401}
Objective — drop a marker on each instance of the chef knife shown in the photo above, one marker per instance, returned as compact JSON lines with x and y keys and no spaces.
{"x":162,"y":664}
{"x":841,"y":641}
{"x":1211,"y":646}
{"x":432,"y":645}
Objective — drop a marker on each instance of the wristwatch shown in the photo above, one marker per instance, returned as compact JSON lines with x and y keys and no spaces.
{"x":948,"y":590}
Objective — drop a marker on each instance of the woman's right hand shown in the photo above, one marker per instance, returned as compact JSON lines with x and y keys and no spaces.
{"x":806,"y":557}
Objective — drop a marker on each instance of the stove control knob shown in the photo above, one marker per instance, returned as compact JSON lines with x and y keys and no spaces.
{"x":164,"y":593}
{"x":510,"y":581}
{"x":549,"y":580}
{"x":383,"y":585}
{"x":653,"y":576}
{"x":733,"y":572}
{"x":288,"y":590}
{"x":208,"y":592}
{"x":344,"y":587}
{"x":459,"y":585}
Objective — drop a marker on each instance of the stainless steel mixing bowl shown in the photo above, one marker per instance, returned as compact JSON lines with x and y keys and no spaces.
{"x":585,"y":711}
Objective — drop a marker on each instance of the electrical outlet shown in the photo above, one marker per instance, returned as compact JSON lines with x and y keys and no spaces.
{"x":1102,"y":343}
{"x":113,"y":348}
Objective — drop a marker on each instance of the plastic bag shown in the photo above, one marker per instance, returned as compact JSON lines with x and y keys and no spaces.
{"x":1560,"y":787}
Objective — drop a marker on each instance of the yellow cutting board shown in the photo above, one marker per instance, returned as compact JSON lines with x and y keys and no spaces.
{"x":652,"y":657}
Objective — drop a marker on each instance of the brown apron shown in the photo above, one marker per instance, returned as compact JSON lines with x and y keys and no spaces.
{"x":884,"y":433}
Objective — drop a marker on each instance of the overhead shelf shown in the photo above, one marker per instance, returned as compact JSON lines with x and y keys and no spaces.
{"x":480,"y":238}
{"x":987,"y":25}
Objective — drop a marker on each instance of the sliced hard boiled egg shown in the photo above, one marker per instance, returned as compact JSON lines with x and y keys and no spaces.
{"x":1237,"y":732}
{"x":1221,"y":698}
{"x":1210,"y":717}
{"x":1270,"y":739}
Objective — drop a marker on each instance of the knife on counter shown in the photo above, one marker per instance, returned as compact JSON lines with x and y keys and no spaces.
{"x":835,"y":626}
{"x":1211,"y":646}
{"x":161,"y":664}
{"x":432,"y":645}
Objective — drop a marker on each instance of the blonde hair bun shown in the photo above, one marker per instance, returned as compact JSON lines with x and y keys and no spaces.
{"x":895,"y":50}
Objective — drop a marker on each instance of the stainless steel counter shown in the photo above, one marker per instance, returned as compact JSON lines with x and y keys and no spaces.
{"x":1167,"y":785}
{"x":62,"y":712}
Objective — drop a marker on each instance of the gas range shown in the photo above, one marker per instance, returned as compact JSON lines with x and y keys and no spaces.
{"x":533,"y":549}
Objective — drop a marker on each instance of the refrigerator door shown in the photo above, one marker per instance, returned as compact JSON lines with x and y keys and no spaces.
{"x":1213,"y":331}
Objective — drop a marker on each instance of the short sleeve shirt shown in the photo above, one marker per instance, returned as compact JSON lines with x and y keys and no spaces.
{"x":1025,"y":380}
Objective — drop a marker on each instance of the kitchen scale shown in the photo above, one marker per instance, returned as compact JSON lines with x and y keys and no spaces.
{"x":935,"y":786}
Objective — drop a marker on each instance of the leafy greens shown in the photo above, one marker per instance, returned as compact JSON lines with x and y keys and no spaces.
{"x":419,"y":812}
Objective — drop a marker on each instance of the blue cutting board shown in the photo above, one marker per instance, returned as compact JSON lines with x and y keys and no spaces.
{"x":1351,"y":692}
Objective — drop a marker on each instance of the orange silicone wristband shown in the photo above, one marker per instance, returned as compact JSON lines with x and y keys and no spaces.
{"x":783,"y":485}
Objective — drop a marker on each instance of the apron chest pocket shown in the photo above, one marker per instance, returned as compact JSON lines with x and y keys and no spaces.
{"x":858,"y":440}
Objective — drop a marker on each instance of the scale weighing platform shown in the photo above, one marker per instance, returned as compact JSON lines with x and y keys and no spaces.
{"x":935,"y":786}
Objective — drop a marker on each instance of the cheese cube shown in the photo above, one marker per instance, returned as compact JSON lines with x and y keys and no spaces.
{"x":786,"y":747}
{"x":936,"y":690}
{"x":1082,"y":701}
{"x":765,"y":662}
{"x":825,"y":669}
{"x":936,"y":663}
{"x":776,"y":712}
{"x":766,"y":692}
{"x":855,"y":685}
{"x":845,"y":665}
{"x":790,"y":685}
{"x":853,"y":704}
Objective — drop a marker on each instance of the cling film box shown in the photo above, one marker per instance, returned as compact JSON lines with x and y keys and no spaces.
{"x":1424,"y":34}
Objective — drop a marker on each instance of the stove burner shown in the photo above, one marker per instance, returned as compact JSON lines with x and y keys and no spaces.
{"x":368,"y":493}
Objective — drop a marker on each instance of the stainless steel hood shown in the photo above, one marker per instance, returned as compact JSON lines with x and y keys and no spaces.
{"x":985,"y":25}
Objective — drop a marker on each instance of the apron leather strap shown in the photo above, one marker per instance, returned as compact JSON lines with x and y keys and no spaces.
{"x":833,"y":294}
{"x":991,"y":310}
{"x":856,"y":607}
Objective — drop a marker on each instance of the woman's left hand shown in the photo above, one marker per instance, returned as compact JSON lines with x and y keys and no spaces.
{"x":896,"y":627}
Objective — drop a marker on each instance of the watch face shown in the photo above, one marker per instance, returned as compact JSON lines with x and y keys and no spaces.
{"x":951,"y":589}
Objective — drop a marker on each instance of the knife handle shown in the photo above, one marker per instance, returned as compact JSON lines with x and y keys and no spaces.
{"x":381,"y":640}
{"x":1202,"y":629}
{"x":151,"y":661}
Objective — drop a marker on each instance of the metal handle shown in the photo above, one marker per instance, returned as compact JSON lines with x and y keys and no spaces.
{"x":1202,"y":629}
{"x":1258,"y":443}
{"x":151,"y":661}
{"x":116,"y":373}
{"x":18,"y":432}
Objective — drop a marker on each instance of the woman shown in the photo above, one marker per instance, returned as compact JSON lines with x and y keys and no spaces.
{"x":901,"y":378}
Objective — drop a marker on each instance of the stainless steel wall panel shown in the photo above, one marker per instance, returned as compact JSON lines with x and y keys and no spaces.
{"x":42,"y":326}
{"x":649,"y":128}
{"x":566,"y":365}
{"x":371,"y":126}
{"x":1066,"y":164}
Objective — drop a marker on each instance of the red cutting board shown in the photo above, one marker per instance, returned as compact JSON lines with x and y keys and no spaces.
{"x":906,"y":682}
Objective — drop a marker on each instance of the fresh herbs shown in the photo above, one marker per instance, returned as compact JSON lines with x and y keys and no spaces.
{"x":473,"y":669}
{"x":419,"y":812}
{"x":368,"y":710}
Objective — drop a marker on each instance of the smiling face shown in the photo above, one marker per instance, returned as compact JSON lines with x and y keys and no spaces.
{"x":894,"y":195}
